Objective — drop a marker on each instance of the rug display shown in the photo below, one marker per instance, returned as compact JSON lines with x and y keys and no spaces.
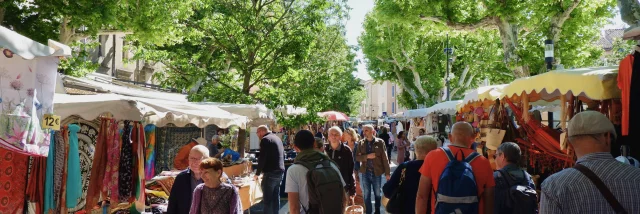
{"x":169,"y":140}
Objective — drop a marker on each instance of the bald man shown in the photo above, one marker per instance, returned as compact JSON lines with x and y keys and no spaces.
{"x":462,"y":137}
{"x":186,"y":182}
{"x":271,"y":164}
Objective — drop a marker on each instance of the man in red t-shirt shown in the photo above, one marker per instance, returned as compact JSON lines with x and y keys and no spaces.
{"x":461,"y":139}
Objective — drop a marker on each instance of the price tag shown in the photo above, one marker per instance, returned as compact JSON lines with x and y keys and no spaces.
{"x":51,"y":121}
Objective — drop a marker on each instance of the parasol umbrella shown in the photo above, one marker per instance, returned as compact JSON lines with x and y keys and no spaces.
{"x":334,"y":116}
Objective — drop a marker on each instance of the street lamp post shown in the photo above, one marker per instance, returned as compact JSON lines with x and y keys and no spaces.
{"x":449,"y":52}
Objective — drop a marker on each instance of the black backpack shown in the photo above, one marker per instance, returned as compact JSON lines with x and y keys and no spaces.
{"x":521,"y":198}
{"x":326,"y":192}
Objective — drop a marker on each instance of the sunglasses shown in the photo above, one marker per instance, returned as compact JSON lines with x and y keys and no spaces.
{"x":496,"y":155}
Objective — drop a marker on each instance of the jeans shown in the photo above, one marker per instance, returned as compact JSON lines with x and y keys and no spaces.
{"x":389,"y":149}
{"x":271,"y":191}
{"x":371,"y":182}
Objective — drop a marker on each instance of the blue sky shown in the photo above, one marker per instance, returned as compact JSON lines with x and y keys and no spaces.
{"x":360,"y":8}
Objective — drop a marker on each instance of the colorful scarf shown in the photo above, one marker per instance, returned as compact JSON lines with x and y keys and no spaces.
{"x":138,"y":152}
{"x":110,"y":182}
{"x":125,"y":171}
{"x":35,"y":186}
{"x":74,"y":178}
{"x":150,"y":154}
{"x":99,"y":165}
{"x":49,"y":204}
{"x":13,"y":177}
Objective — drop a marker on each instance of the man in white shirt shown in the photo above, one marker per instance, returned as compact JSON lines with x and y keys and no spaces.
{"x":296,"y":185}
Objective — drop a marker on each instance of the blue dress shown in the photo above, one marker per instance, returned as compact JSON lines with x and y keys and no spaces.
{"x":74,"y":179}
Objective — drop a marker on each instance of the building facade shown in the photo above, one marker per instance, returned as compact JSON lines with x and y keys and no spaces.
{"x":116,"y":61}
{"x":381,"y":100}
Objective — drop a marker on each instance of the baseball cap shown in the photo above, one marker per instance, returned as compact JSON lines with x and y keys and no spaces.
{"x":590,"y":122}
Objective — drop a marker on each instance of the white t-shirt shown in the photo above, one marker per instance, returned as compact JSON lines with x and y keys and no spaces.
{"x":297,"y":182}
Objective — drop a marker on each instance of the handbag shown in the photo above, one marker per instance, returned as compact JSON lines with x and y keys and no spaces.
{"x":611,"y":199}
{"x":397,"y":198}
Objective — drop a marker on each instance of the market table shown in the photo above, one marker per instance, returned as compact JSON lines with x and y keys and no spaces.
{"x":245,"y":191}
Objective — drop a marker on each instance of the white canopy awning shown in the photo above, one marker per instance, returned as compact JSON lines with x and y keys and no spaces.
{"x":290,"y":110}
{"x":257,"y":114}
{"x":152,"y":111}
{"x":448,"y":107}
{"x":491,"y":93}
{"x":413,"y":113}
{"x":29,"y":49}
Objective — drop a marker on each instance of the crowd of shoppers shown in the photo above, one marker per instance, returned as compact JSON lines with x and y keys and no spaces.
{"x":436,"y":181}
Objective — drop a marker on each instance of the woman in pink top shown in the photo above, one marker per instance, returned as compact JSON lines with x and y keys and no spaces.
{"x":402,"y":144}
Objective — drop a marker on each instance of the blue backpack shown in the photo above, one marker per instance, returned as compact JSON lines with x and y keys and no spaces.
{"x":457,"y":189}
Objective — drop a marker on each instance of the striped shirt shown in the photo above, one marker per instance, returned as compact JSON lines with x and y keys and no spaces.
{"x":569,"y":191}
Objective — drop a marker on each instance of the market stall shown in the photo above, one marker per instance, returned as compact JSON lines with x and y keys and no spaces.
{"x":576,"y":90}
{"x":146,"y":118}
{"x":28,"y":73}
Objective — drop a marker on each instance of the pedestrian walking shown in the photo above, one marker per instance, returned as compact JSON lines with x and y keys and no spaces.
{"x":407,"y":177}
{"x":515,"y":191}
{"x":314,"y":183}
{"x":271,"y":164}
{"x":597,"y":183}
{"x":373,"y":160}
{"x":445,"y":174}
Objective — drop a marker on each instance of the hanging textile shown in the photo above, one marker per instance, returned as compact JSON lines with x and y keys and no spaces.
{"x":99,"y":165}
{"x":74,"y":179}
{"x":110,"y":182}
{"x":125,"y":179}
{"x":169,"y":140}
{"x":62,"y":195}
{"x":138,"y":151}
{"x":150,"y":153}
{"x":49,"y":205}
{"x":26,"y":93}
{"x":634,"y":105}
{"x":87,"y":137}
{"x":35,"y":185}
{"x":13,"y":178}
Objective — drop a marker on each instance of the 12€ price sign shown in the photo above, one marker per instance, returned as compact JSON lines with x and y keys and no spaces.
{"x":51,"y":121}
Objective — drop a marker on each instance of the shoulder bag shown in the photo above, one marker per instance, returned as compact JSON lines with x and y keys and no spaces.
{"x":615,"y":204}
{"x":397,"y":198}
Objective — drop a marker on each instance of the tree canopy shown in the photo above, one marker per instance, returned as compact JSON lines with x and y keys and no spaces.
{"x":401,"y":36}
{"x":273,"y":52}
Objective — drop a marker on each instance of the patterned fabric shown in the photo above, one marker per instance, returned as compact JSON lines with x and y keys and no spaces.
{"x":13,"y":181}
{"x":48,"y":185}
{"x":569,"y":191}
{"x":138,"y":169}
{"x":60,"y":151}
{"x":35,"y":185}
{"x":26,"y":93}
{"x":87,"y":137}
{"x":168,"y":141}
{"x":220,"y":200}
{"x":125,"y":179}
{"x":150,"y":153}
{"x":74,"y":185}
{"x":99,"y":165}
{"x":110,"y":181}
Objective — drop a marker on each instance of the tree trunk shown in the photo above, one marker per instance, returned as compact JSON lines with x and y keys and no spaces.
{"x":66,"y":31}
{"x":2,"y":11}
{"x":242,"y":141}
{"x":405,"y":86}
{"x":246,"y":82}
{"x":509,"y":37}
{"x":418,"y":83}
